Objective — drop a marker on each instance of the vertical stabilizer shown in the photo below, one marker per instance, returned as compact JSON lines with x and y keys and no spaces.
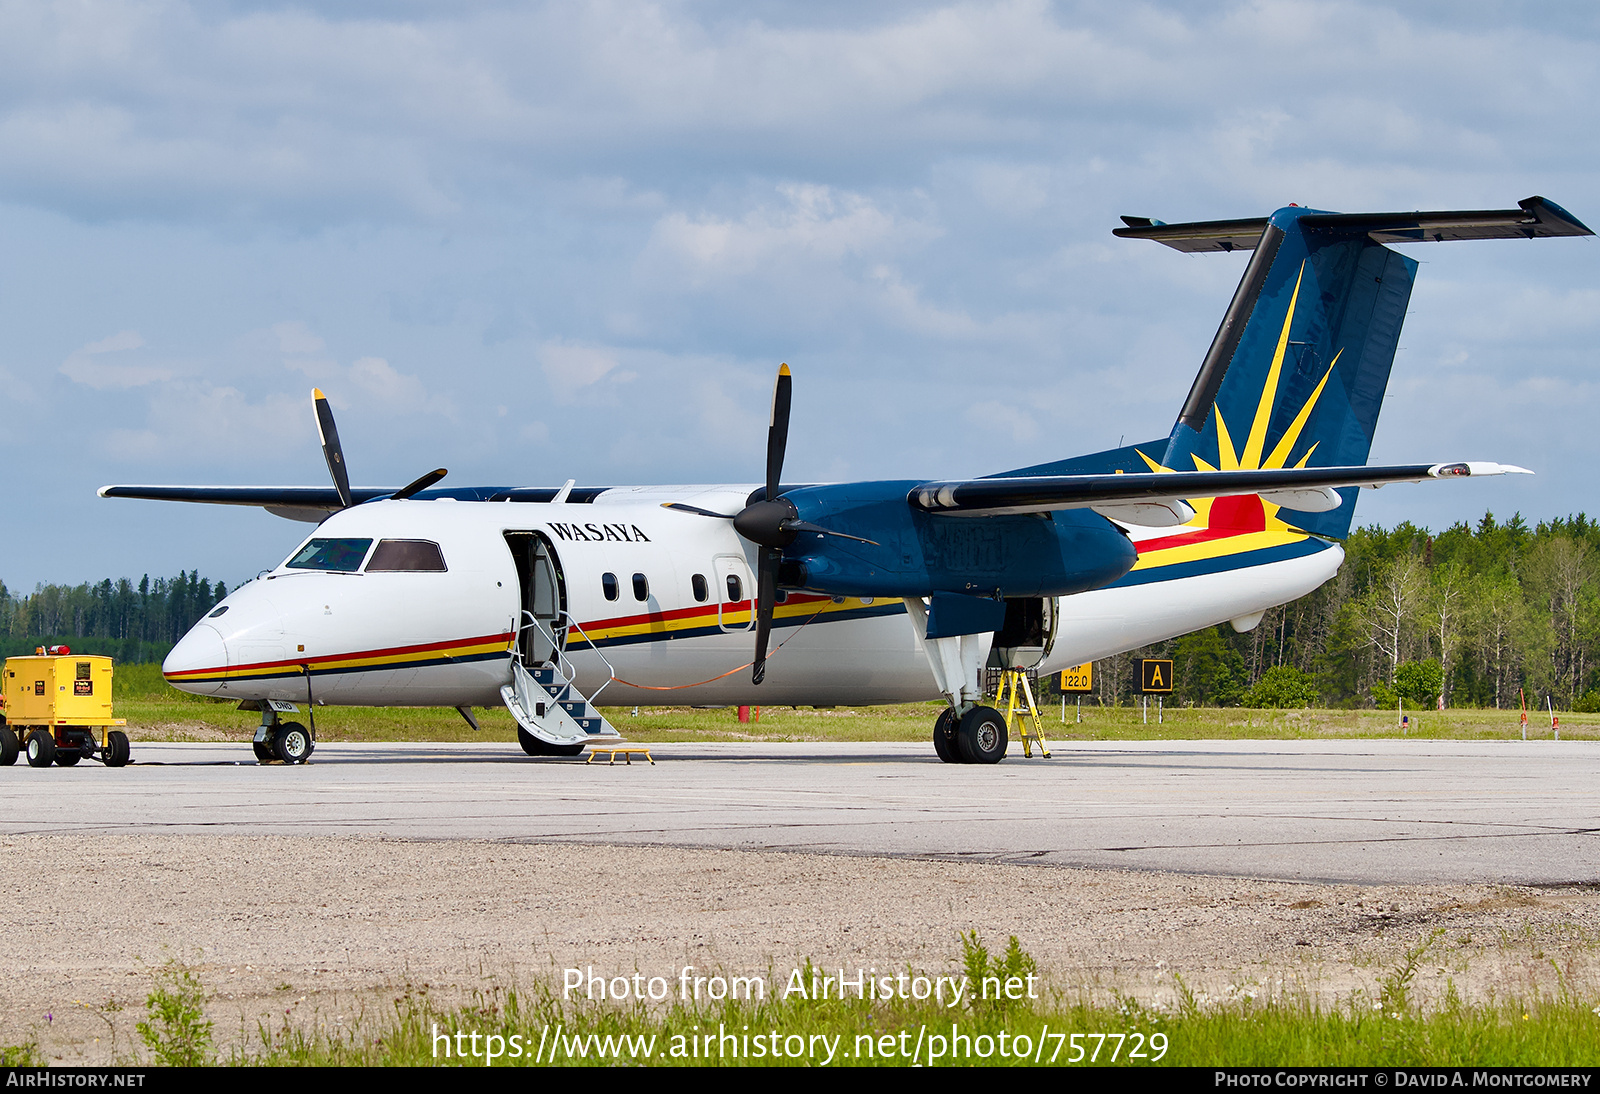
{"x":1296,"y":374}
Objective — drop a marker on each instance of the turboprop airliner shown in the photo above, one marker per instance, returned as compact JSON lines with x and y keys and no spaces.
{"x":548,"y":600}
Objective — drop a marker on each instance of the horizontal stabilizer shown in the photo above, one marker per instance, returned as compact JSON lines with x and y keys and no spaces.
{"x":993,"y":497}
{"x":1534,"y":218}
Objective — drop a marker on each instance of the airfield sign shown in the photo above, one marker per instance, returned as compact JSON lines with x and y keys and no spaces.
{"x":1079,"y":679}
{"x":1155,"y":676}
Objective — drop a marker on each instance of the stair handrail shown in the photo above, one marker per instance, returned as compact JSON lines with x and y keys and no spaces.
{"x":610,"y":668}
{"x":564,"y":664}
{"x":568,"y":670}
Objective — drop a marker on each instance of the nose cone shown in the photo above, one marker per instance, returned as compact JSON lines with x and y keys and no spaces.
{"x":199,"y":662}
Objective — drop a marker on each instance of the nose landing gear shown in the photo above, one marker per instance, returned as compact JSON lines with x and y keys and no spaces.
{"x":277,"y":741}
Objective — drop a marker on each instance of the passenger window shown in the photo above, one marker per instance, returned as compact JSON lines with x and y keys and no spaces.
{"x":608,"y":583}
{"x":735,"y":589}
{"x":700,"y":589}
{"x":407,"y":554}
{"x":641,"y":587}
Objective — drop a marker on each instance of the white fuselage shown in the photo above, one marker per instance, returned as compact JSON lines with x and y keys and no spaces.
{"x":678,"y":633}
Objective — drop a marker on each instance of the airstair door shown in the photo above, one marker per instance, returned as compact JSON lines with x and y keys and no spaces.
{"x":541,"y":624}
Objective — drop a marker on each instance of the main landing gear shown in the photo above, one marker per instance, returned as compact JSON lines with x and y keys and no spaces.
{"x":535,"y":747}
{"x":978,"y":736}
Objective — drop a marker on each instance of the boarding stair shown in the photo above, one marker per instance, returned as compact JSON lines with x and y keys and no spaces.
{"x":544,"y":701}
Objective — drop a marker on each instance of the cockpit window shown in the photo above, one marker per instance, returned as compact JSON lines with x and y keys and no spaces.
{"x":407,"y":554}
{"x":342,"y":555}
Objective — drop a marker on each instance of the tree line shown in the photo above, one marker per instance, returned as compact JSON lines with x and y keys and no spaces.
{"x":133,"y":622}
{"x":1478,"y":616}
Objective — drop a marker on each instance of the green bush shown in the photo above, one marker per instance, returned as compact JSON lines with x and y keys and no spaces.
{"x":1284,"y":686}
{"x":176,"y":1030}
{"x":1420,"y":682}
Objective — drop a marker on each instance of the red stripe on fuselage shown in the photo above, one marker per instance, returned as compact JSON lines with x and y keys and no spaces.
{"x":325,"y":658}
{"x":690,"y":613}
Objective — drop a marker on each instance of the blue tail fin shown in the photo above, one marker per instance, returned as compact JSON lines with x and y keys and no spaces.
{"x":1296,"y":374}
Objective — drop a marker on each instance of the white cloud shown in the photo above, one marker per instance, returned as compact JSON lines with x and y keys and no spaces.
{"x":636,"y":208}
{"x":205,"y":425}
{"x":295,"y":338}
{"x":570,"y":367}
{"x":368,"y":379}
{"x":378,"y":378}
{"x":809,"y":222}
{"x":86,"y":366}
{"x":182,"y":110}
{"x":1007,"y":420}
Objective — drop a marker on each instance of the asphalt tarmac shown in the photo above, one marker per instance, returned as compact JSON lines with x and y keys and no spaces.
{"x":1369,"y":812}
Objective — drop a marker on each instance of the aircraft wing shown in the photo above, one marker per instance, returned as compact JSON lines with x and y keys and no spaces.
{"x":314,"y":504}
{"x":307,"y":503}
{"x":1142,"y":498}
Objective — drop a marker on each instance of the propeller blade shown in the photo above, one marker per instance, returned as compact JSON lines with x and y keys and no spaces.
{"x":766,"y":598}
{"x":330,"y":448}
{"x":762,"y":523}
{"x":778,"y":430}
{"x":682,"y":508}
{"x":421,"y":484}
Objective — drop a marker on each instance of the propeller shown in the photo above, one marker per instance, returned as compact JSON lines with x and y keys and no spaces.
{"x":420,"y":484}
{"x":772,"y":523}
{"x":331,"y":449}
{"x":333,"y":452}
{"x":763,"y":522}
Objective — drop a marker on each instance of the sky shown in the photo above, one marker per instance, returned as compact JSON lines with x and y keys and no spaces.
{"x":537,"y":242}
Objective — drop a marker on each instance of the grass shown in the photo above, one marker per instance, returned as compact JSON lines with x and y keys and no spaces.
{"x":539,"y":1026}
{"x":156,"y":711}
{"x":174,"y":716}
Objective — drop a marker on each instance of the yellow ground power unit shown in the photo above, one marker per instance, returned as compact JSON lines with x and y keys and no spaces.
{"x":58,"y":710}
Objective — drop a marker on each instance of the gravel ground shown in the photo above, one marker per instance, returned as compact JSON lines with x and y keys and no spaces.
{"x":316,"y":930}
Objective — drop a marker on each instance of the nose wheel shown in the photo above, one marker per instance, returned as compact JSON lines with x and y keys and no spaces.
{"x":283,"y":742}
{"x":293,"y":743}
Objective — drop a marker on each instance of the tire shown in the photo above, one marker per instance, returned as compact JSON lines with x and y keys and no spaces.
{"x":67,"y":757}
{"x":264,"y":751}
{"x":41,"y":748}
{"x":982,"y":736}
{"x":9,"y":745}
{"x":292,"y":743}
{"x":118,"y":751}
{"x":535,"y":747}
{"x":944,"y":737}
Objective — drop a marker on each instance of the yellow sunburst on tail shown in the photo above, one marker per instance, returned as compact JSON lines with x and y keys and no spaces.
{"x":1252,"y":517}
